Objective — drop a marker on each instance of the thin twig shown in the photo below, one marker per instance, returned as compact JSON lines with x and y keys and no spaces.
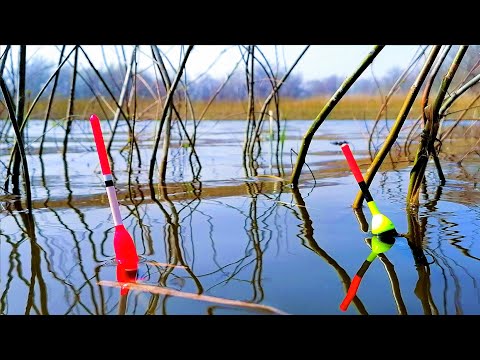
{"x":166,"y":108}
{"x":121,"y":99}
{"x":71,"y":102}
{"x":275,"y":91}
{"x":50,"y":101}
{"x":171,"y":292}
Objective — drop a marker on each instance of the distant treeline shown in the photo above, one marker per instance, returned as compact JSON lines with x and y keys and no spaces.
{"x":201,"y":87}
{"x":226,"y":97}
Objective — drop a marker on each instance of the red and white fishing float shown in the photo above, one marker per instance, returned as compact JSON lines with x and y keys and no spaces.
{"x":125,"y":252}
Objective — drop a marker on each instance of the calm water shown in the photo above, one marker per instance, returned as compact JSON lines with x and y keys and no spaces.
{"x":234,"y":233}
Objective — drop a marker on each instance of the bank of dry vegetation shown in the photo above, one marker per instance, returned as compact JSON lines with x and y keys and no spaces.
{"x":351,"y":107}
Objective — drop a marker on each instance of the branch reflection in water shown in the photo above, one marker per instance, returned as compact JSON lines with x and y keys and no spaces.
{"x":232,"y":242}
{"x":306,"y":236}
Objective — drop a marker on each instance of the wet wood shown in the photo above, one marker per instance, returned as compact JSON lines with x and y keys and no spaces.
{"x":171,"y":292}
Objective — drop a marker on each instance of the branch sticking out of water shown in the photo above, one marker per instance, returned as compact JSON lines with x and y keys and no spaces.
{"x":71,"y":102}
{"x":275,"y":90}
{"x":395,"y":87}
{"x":402,"y":115}
{"x":18,"y":135}
{"x":121,"y":100}
{"x":100,"y":77}
{"x":307,"y":138}
{"x":426,"y":148}
{"x":50,"y":98}
{"x":446,"y":133}
{"x":19,"y":113}
{"x":166,"y":109}
{"x":3,"y":58}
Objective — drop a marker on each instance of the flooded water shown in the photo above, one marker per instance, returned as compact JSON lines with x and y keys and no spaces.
{"x":228,"y":236}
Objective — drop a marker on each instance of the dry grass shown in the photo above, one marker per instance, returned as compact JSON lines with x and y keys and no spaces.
{"x":350,"y":107}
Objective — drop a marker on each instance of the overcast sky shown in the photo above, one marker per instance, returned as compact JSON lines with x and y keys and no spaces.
{"x":318,"y":62}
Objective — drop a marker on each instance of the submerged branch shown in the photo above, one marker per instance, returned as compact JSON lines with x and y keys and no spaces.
{"x":171,"y":292}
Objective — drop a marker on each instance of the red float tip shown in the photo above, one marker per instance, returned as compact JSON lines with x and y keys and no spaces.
{"x":352,"y":163}
{"x":125,"y":276}
{"x":352,"y":291}
{"x":101,"y":150}
{"x":125,"y":252}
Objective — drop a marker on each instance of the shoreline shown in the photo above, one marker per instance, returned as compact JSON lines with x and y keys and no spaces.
{"x":351,"y":107}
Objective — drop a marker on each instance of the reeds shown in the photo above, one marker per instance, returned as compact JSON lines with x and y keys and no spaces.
{"x":352,"y":107}
{"x":71,"y":102}
{"x":432,"y":122}
{"x":307,"y":138}
{"x":167,"y":112}
{"x":19,"y":141}
{"x":171,"y":106}
{"x":402,"y":115}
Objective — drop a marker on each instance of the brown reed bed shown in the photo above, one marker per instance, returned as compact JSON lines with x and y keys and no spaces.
{"x":351,"y":107}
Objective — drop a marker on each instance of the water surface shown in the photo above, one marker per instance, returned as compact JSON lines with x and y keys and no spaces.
{"x":231,"y":230}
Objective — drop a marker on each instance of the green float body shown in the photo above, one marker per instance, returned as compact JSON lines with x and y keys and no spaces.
{"x":380,"y":223}
{"x":379,"y":246}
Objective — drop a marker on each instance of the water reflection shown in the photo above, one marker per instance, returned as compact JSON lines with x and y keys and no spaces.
{"x":250,"y":239}
{"x":416,"y":237}
{"x":379,"y":245}
{"x":306,"y":236}
{"x":395,"y":284}
{"x":26,"y":225}
{"x":124,"y":276}
{"x":174,"y":251}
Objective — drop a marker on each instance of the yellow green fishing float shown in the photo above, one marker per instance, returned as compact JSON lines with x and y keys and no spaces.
{"x":381,"y":225}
